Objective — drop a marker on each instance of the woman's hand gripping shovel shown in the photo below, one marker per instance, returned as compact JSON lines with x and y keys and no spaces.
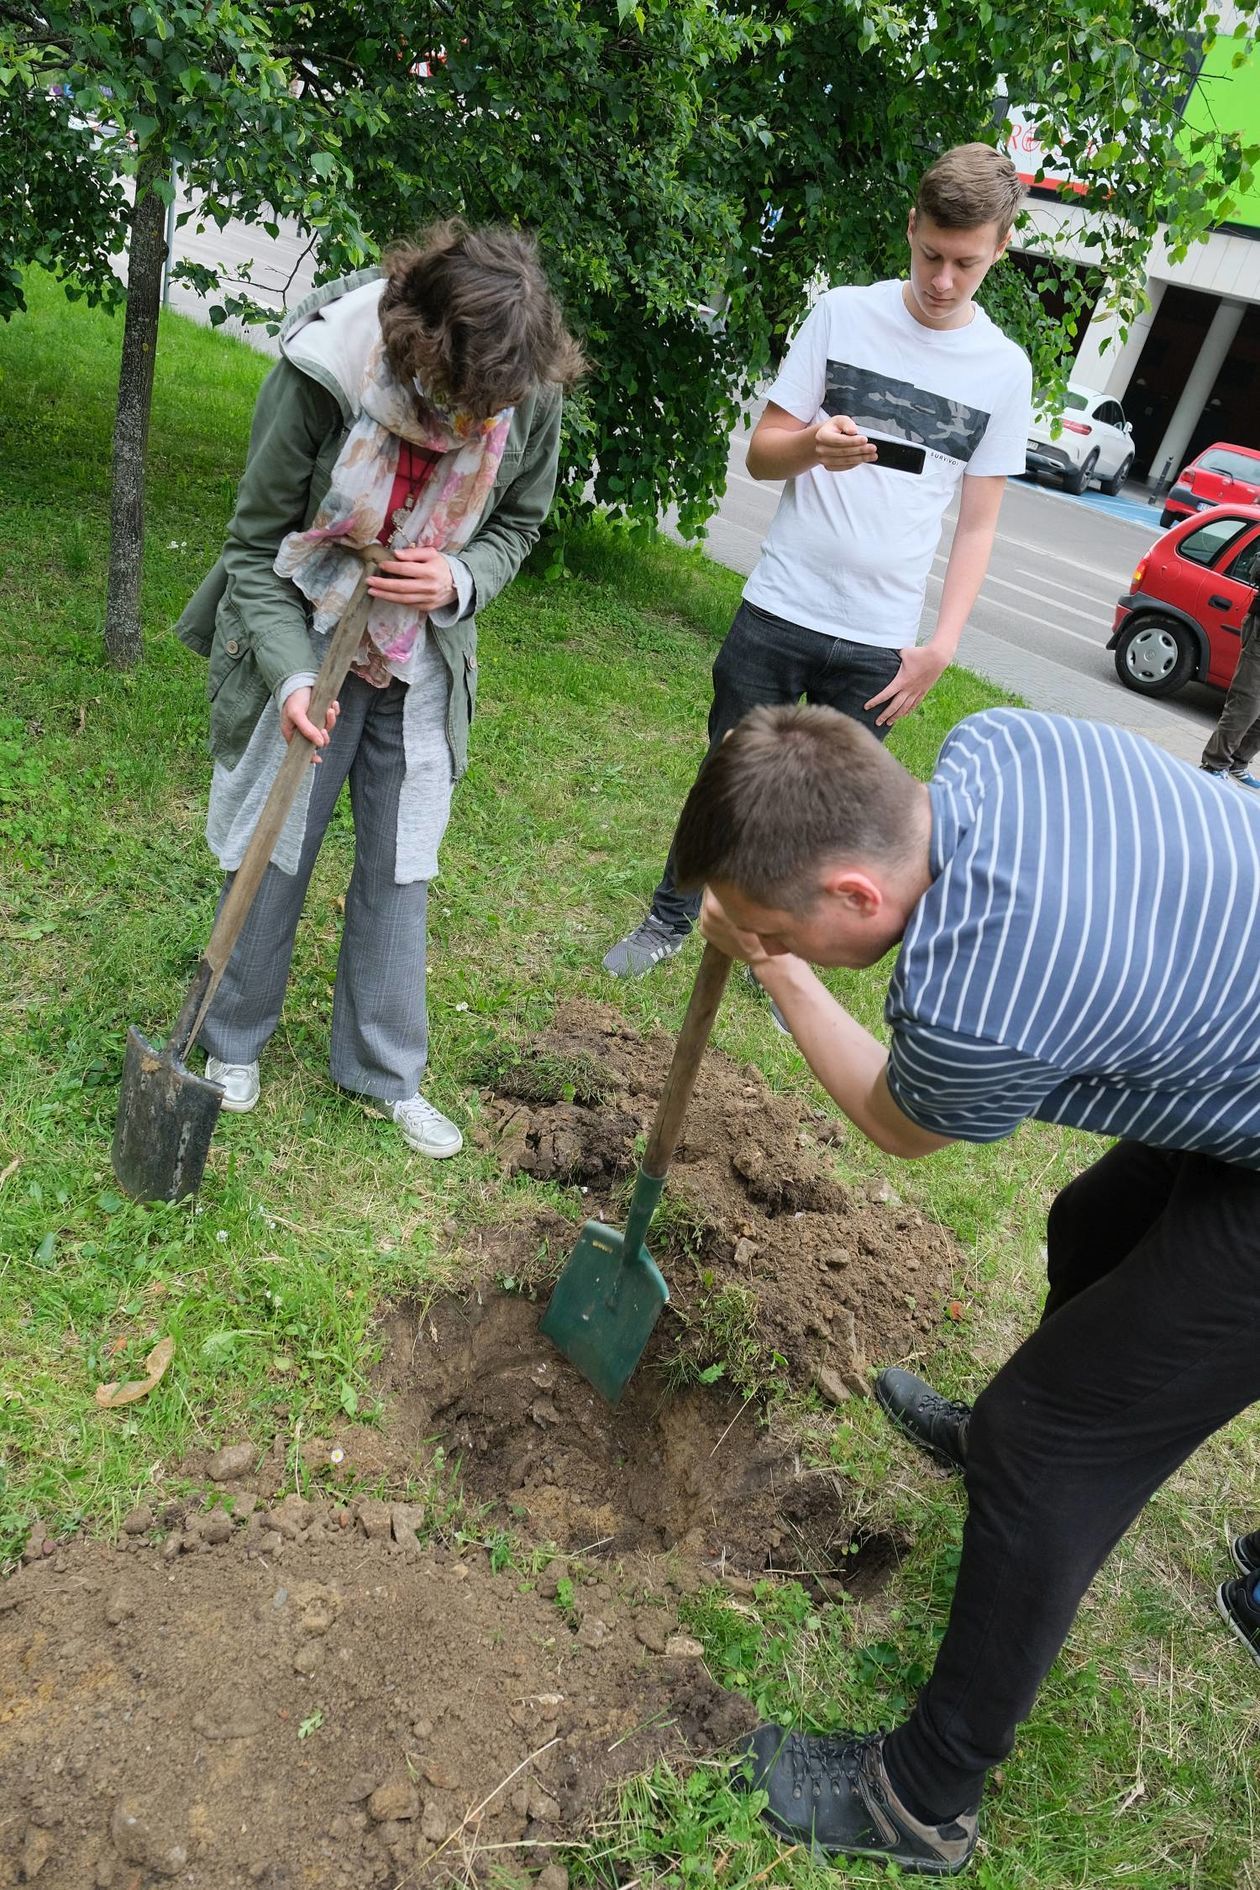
{"x":610,"y":1294}
{"x":166,"y":1113}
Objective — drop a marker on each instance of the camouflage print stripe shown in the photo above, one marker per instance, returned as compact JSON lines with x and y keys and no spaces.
{"x":906,"y":412}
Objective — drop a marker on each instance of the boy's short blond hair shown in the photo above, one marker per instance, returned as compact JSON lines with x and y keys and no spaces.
{"x":971,"y":185}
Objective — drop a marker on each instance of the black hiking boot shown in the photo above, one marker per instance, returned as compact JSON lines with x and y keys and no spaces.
{"x":1241,"y":1612}
{"x":937,"y":1425}
{"x":834,"y":1794}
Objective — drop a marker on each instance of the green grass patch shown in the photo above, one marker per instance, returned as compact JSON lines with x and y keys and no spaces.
{"x":1134,"y":1767}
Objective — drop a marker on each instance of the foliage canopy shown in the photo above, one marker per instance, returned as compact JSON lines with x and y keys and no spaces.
{"x":692,"y":168}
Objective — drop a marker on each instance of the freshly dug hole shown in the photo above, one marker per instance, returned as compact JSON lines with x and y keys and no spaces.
{"x":694,"y":1469}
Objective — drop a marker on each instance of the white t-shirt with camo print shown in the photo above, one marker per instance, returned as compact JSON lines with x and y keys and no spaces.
{"x":849,"y":554}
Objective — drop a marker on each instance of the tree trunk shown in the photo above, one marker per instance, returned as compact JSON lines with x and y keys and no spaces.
{"x":146,"y":253}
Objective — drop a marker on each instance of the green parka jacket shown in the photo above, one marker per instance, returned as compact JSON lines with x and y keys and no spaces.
{"x":251,"y":623}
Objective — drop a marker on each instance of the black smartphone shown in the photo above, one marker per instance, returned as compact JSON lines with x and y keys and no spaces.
{"x":901,"y":455}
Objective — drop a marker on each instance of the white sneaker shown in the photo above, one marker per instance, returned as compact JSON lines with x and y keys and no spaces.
{"x":238,"y":1081}
{"x":425,"y":1128}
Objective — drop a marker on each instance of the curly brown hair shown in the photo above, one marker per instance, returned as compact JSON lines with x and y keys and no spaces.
{"x":469,"y":314}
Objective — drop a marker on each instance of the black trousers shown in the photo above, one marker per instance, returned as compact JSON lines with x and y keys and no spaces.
{"x":1150,"y":1341}
{"x":764,"y":661}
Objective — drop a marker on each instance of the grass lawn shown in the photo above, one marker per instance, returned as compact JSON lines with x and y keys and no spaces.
{"x":1138,"y":1766}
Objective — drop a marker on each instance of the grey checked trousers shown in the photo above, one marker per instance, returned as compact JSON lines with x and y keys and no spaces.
{"x":380,"y":1031}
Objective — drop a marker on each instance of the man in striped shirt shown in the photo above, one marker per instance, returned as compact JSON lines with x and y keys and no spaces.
{"x":1076,"y":915}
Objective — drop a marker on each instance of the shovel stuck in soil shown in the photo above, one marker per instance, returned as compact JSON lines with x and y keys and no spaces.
{"x":166,"y":1113}
{"x":611,"y":1292}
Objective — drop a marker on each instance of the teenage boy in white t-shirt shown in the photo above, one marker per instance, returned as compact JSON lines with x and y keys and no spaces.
{"x":913,"y":371}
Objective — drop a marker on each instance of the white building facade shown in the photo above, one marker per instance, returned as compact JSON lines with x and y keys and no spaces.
{"x":1188,"y":370}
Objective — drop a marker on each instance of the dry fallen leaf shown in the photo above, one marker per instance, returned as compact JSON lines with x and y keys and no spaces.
{"x":110,"y":1396}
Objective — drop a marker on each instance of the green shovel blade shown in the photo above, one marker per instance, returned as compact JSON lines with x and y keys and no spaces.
{"x":604,"y":1307}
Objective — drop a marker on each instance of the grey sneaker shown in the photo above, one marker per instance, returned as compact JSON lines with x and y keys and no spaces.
{"x":646,"y":946}
{"x":238,"y":1081}
{"x":937,"y":1425}
{"x":834,"y":1795}
{"x":425,"y":1128}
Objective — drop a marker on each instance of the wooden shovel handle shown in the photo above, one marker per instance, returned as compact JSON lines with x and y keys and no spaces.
{"x":706,"y":995}
{"x":297,"y":758}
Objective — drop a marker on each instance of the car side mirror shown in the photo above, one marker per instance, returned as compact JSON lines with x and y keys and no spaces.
{"x":1128,"y":426}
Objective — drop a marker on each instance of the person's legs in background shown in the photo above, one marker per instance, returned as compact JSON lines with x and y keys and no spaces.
{"x":764,"y":661}
{"x":1236,"y":737}
{"x":844,"y":676}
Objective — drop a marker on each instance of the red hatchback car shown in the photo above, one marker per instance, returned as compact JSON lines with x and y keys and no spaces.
{"x":1221,"y":475}
{"x":1180,"y":621}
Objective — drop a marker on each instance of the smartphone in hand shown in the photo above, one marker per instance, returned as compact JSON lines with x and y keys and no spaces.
{"x":901,"y":455}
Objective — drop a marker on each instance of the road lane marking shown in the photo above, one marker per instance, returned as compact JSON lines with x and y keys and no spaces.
{"x":1021,"y":590}
{"x":1071,"y":590}
{"x":1027,"y":616}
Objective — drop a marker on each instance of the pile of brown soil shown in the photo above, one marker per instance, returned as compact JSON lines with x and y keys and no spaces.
{"x":832,"y":1281}
{"x":310,"y":1697}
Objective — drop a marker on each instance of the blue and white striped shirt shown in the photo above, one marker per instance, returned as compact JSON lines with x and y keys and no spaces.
{"x":1087,"y":951}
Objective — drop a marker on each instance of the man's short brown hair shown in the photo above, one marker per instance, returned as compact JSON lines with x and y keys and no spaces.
{"x":471,"y":316}
{"x":789,"y":789}
{"x":971,"y":185}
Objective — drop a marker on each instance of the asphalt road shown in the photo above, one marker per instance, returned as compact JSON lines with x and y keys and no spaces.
{"x":1042,"y":620}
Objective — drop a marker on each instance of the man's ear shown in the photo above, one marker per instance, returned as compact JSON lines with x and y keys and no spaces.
{"x":860,"y":892}
{"x":910,"y":227}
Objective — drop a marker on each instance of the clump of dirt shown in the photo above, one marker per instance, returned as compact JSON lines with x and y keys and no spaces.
{"x":307,"y":1695}
{"x":757,"y":1230}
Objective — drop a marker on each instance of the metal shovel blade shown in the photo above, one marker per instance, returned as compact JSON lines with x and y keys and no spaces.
{"x":604,"y":1307}
{"x":166,"y":1118}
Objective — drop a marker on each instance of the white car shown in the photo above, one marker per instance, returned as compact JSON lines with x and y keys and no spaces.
{"x":1094,"y":441}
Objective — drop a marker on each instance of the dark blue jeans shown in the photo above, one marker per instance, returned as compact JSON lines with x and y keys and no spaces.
{"x":764,"y":661}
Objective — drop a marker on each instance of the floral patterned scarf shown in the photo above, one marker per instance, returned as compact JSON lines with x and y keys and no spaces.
{"x":445,"y":514}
